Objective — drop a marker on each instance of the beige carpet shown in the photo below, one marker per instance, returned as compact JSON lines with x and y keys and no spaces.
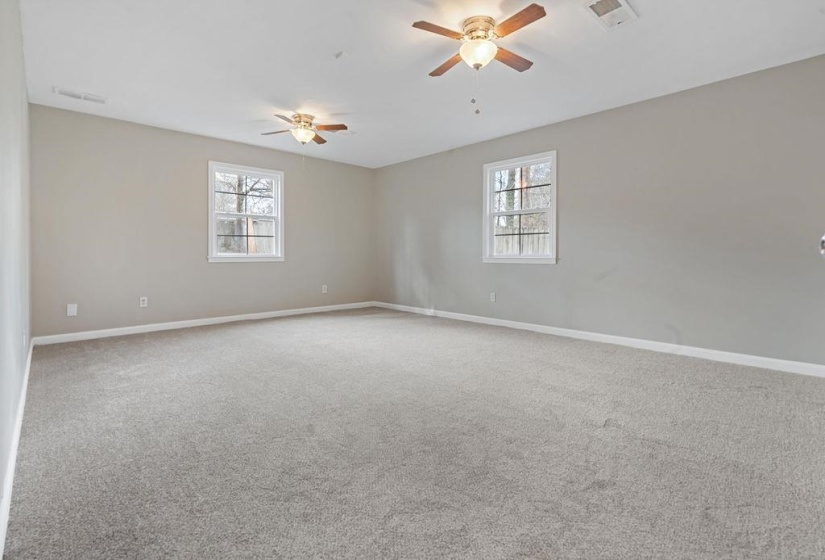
{"x":376,"y":434}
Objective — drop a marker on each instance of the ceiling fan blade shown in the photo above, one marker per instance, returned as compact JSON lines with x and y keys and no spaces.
{"x":283,"y":118}
{"x":456,"y":58}
{"x":527,"y":16}
{"x":276,"y":132}
{"x":331,"y":127}
{"x":513,"y":60}
{"x":318,"y":140}
{"x":437,"y":29}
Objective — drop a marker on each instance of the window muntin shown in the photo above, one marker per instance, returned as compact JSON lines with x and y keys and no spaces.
{"x":245,"y":213}
{"x":520,"y":210}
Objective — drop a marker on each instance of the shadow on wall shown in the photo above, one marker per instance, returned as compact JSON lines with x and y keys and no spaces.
{"x":424,"y":260}
{"x":413,"y":284}
{"x":419,"y":261}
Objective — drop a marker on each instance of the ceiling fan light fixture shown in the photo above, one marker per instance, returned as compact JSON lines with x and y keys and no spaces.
{"x":478,"y":53}
{"x":303,"y":135}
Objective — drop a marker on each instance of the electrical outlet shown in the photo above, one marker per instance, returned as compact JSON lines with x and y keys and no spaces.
{"x":71,"y":310}
{"x":144,"y":301}
{"x":493,"y":297}
{"x":324,"y":289}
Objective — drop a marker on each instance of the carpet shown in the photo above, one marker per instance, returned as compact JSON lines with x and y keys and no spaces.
{"x":380,"y":434}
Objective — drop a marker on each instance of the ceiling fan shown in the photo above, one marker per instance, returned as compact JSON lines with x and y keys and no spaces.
{"x":303,"y":129}
{"x":478,"y":36}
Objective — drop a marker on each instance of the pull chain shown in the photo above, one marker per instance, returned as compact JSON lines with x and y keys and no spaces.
{"x":474,"y":100}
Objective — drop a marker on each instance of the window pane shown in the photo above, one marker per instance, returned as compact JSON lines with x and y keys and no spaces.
{"x":226,"y":182}
{"x":259,"y":205}
{"x":506,"y":179}
{"x":258,"y":186}
{"x":536,"y":197}
{"x":538,"y":174}
{"x":506,"y":225}
{"x":231,"y":226}
{"x":261,"y":227}
{"x":535,"y":245}
{"x":506,"y":245}
{"x":231,"y":245}
{"x":229,"y":203}
{"x":507,"y":201}
{"x":261,"y":245}
{"x":506,"y":231}
{"x":534,"y":223}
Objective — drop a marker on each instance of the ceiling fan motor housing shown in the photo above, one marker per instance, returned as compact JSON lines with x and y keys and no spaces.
{"x":479,"y":27}
{"x":303,"y":120}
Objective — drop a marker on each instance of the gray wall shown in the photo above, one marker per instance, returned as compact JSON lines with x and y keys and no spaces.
{"x":14,"y":232}
{"x":692,"y":218}
{"x":119,"y":210}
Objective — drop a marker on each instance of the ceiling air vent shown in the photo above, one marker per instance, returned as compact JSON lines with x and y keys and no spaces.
{"x":611,"y":13}
{"x":80,"y":96}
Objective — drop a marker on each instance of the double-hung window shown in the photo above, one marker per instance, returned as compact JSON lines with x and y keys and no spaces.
{"x":246,"y":214}
{"x":520,"y":210}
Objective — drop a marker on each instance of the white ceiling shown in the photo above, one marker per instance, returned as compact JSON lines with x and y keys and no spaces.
{"x":221,"y":67}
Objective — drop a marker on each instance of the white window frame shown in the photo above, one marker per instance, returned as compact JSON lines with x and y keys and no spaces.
{"x":488,"y":247}
{"x":278,"y":181}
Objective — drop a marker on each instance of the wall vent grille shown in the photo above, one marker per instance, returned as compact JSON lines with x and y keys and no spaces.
{"x":80,"y":96}
{"x":611,"y":13}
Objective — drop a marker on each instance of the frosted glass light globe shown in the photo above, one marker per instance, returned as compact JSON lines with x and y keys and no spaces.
{"x":478,"y":53}
{"x":303,"y":135}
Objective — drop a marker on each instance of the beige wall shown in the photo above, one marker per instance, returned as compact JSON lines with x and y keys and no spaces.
{"x":119,"y":211}
{"x":692,"y":218}
{"x":14,"y":235}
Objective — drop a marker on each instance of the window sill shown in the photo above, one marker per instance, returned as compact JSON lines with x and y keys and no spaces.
{"x":244,"y":259}
{"x":519,"y":260}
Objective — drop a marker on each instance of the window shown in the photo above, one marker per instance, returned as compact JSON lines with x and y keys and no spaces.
{"x":520,"y":210}
{"x":246,"y":221}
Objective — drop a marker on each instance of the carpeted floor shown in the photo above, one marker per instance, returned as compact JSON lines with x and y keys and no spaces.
{"x":376,"y":434}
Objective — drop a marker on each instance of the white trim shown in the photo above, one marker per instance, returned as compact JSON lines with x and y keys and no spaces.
{"x":245,"y":259}
{"x":8,"y":482}
{"x":139,"y":329}
{"x":522,"y":160}
{"x":803,"y":368}
{"x":487,"y":246}
{"x":519,"y":260}
{"x":277,"y":177}
{"x":242,"y":168}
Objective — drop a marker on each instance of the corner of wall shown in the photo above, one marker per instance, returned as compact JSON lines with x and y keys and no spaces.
{"x":15,"y":301}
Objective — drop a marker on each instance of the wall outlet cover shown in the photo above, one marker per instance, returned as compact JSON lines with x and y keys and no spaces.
{"x":71,"y":310}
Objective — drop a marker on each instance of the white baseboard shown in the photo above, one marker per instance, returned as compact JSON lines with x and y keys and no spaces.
{"x":139,"y":329}
{"x":816,"y":370}
{"x":8,"y":482}
{"x":804,"y":368}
